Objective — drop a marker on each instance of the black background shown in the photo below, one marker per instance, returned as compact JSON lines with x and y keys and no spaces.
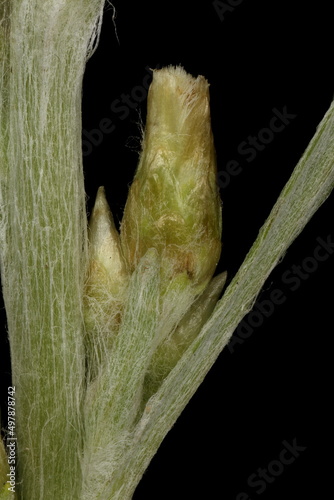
{"x":274,"y":386}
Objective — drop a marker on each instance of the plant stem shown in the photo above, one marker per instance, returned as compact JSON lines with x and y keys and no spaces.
{"x":308,"y":187}
{"x":43,"y":235}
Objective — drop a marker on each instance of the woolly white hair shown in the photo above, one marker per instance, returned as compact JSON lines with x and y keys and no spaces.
{"x":44,"y":46}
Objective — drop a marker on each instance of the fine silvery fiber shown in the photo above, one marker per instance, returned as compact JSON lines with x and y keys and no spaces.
{"x":105,"y":355}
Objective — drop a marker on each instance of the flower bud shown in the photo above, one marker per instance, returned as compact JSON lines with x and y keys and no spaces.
{"x":171,"y":349}
{"x":173,"y":203}
{"x":106,"y":282}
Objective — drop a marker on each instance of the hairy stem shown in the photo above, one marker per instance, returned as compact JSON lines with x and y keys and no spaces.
{"x":43,"y":234}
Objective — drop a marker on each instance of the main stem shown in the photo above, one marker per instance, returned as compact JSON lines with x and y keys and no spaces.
{"x":43,"y":234}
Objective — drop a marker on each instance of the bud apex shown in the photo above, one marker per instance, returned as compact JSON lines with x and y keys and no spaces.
{"x":106,"y":262}
{"x":173,"y":203}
